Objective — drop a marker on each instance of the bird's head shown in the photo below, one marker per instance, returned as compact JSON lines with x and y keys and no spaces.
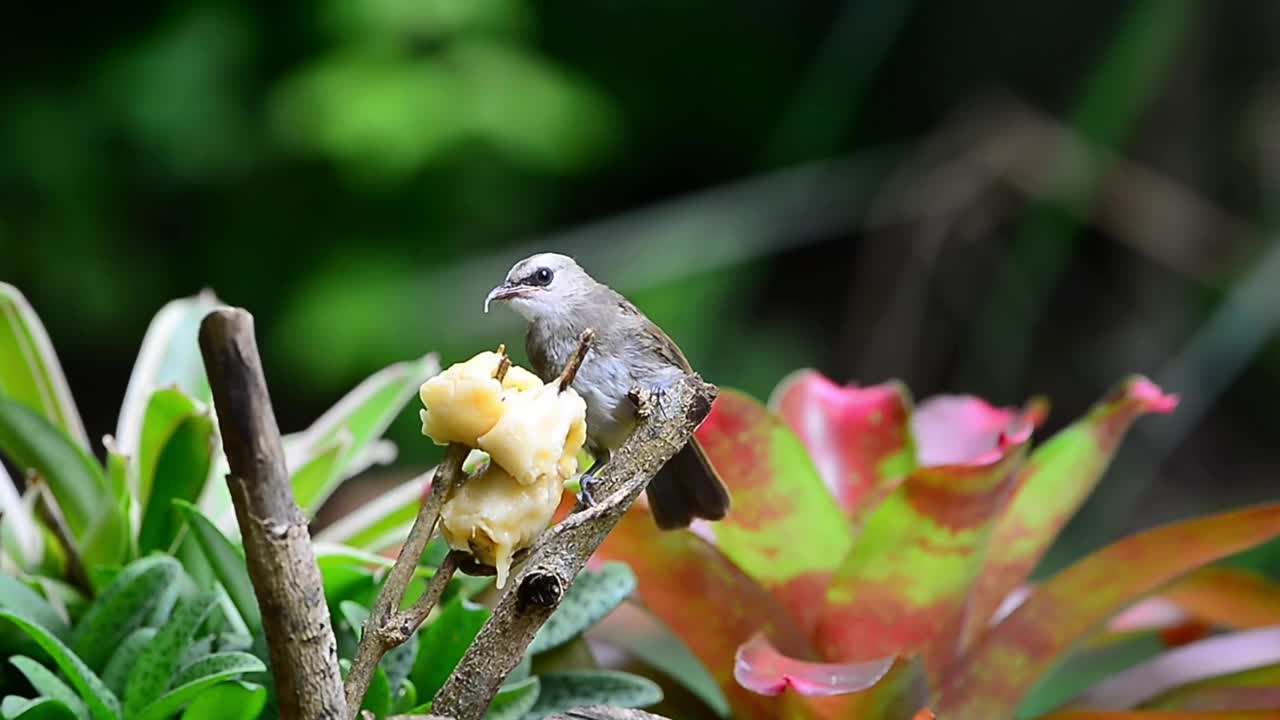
{"x":543,"y":286}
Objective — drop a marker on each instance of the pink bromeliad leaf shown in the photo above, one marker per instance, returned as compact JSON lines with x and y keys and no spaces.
{"x":859,"y":437}
{"x":759,"y":667}
{"x":708,"y":602}
{"x":1055,"y":481}
{"x":903,"y":587}
{"x":784,"y":530}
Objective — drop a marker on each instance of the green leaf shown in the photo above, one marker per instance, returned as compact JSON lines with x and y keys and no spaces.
{"x":513,"y":701}
{"x":377,"y":699}
{"x":198,"y":677}
{"x":102,"y":703}
{"x":182,"y":467}
{"x":316,"y":480}
{"x":21,"y":538}
{"x":16,"y":596}
{"x":443,"y":643}
{"x":382,"y":522}
{"x":406,"y":698}
{"x":49,"y":685}
{"x":1086,"y":666}
{"x":116,"y":674}
{"x":362,"y":415}
{"x":106,"y":543}
{"x":16,"y":708}
{"x":151,"y":674}
{"x":29,"y":369}
{"x":355,"y":615}
{"x":562,"y":691}
{"x":228,"y":564}
{"x":169,"y":357}
{"x":238,"y":700}
{"x":399,"y":661}
{"x":122,"y":607}
{"x":592,"y":596}
{"x":73,"y":475}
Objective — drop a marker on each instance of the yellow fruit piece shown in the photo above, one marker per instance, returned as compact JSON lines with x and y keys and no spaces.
{"x":466,"y":401}
{"x":493,"y":516}
{"x":539,"y":435}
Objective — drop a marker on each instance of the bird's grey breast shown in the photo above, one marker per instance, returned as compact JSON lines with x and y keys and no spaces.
{"x":603,"y":380}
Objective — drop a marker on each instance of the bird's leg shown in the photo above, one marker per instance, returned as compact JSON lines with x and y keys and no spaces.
{"x":588,"y":479}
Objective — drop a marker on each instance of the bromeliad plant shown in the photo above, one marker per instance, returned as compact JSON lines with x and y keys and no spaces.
{"x":876,"y":561}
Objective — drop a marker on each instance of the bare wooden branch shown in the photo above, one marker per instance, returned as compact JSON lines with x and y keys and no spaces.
{"x":387,"y":625}
{"x":49,"y":510}
{"x":575,"y":361}
{"x":561,"y":553}
{"x":278,"y":552}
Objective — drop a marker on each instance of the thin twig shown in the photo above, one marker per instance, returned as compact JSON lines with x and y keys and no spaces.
{"x":49,"y":510}
{"x":560,"y":554}
{"x":278,"y":551}
{"x":575,"y":361}
{"x":387,"y":626}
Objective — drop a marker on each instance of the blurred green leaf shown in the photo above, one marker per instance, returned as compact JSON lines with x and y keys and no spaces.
{"x":381,"y":522}
{"x":593,"y":595}
{"x":193,"y":680}
{"x":16,"y":708}
{"x":122,"y":607}
{"x":228,"y":564}
{"x":182,"y":469}
{"x":153,"y":670}
{"x":30,"y":372}
{"x":380,"y":18}
{"x":168,"y":358}
{"x":514,"y":700}
{"x":406,"y":697}
{"x":238,"y":700}
{"x":321,"y":475}
{"x":102,"y":703}
{"x":562,"y":691}
{"x":443,"y":643}
{"x":16,"y":596}
{"x":377,"y":699}
{"x":76,"y":479}
{"x":49,"y":685}
{"x":20,"y":536}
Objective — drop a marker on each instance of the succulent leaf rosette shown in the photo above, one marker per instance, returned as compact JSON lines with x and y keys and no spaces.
{"x":876,"y":563}
{"x":531,"y":432}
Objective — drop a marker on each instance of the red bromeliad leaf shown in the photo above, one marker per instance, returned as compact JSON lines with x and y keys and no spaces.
{"x":902,"y":587}
{"x":900,"y":695}
{"x":1215,"y":656}
{"x":989,"y":680}
{"x":707,"y":601}
{"x":759,"y":667}
{"x":1155,"y":715}
{"x":784,"y":529}
{"x":1228,"y":597}
{"x":859,"y":437}
{"x":1056,"y":480}
{"x":966,"y":430}
{"x":1250,"y":690}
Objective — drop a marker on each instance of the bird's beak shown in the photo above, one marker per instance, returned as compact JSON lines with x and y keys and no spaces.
{"x":502,"y":292}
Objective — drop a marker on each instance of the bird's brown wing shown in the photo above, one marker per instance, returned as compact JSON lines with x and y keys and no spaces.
{"x":662,"y":343}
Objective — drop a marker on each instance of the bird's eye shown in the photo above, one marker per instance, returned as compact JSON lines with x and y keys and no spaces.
{"x":542,"y":276}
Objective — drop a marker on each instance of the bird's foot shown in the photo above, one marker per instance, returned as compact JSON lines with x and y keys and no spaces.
{"x":651,"y":400}
{"x":586,"y":484}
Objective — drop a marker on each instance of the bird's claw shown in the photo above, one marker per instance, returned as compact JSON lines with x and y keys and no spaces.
{"x":585,"y":496}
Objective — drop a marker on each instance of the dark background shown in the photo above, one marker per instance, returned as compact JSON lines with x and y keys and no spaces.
{"x":994,"y":197}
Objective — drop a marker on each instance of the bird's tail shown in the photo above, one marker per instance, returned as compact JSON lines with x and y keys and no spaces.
{"x":687,"y":487}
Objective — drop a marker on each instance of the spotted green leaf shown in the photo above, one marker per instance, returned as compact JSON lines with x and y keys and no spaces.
{"x":562,"y":691}
{"x":153,"y":670}
{"x":514,"y":701}
{"x":443,"y":642}
{"x":122,"y":607}
{"x":102,"y":703}
{"x":116,"y":674}
{"x":196,"y":678}
{"x":238,"y":700}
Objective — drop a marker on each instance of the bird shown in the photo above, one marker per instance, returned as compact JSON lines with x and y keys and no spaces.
{"x":559,"y":300}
